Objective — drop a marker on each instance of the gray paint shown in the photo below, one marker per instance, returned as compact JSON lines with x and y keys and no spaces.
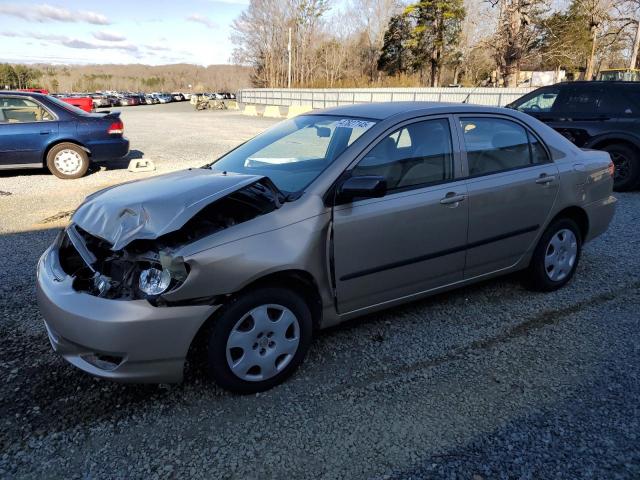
{"x":297,"y":236}
{"x":156,"y":206}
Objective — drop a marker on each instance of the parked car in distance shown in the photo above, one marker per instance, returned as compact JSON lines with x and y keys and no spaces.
{"x":320,"y":219}
{"x":619,"y":74}
{"x":177,"y":97}
{"x":113,"y":100}
{"x":600,"y":115}
{"x":142,"y":99}
{"x":100,"y":101}
{"x":34,"y":90}
{"x":151,"y":100}
{"x":129,"y":100}
{"x":82,"y":102}
{"x":164,"y":97}
{"x":39,"y":131}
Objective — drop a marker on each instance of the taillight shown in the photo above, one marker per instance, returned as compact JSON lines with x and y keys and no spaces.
{"x":116,"y":128}
{"x":612,"y":168}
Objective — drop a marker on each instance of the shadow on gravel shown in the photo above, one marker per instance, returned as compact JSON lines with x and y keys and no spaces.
{"x":24,"y":172}
{"x":39,"y":392}
{"x":592,"y":433}
{"x":453,"y":296}
{"x":115,"y":164}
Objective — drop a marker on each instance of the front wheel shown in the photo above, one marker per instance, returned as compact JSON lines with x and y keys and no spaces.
{"x":259,"y":340}
{"x":67,"y":161}
{"x":556,"y":256}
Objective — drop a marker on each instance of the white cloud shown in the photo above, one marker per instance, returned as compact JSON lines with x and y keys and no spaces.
{"x":74,"y":42}
{"x":47,"y":13}
{"x":197,"y":18}
{"x":157,"y":48}
{"x":231,"y":2}
{"x":109,"y":36}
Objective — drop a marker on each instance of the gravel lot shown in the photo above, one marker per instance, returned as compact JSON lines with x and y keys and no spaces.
{"x":487,"y":382}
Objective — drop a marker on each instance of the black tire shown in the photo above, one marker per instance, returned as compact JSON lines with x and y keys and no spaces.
{"x":537,"y":277}
{"x":81,"y":154}
{"x":232,"y":313}
{"x":626,"y":160}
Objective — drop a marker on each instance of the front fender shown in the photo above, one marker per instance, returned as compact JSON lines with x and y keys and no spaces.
{"x":230,"y":267}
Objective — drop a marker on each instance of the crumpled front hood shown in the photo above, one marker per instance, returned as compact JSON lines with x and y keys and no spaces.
{"x":147,"y":209}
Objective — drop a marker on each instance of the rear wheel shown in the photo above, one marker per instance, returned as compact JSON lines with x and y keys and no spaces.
{"x":556,"y":256}
{"x":627,"y":166}
{"x":259,"y":340}
{"x":67,"y":161}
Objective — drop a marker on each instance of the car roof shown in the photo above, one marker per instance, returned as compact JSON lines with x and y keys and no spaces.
{"x":596,"y":83}
{"x":23,"y":94}
{"x":383,"y":110}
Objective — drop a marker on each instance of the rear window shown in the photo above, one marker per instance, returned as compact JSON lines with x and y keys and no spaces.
{"x":69,"y":107}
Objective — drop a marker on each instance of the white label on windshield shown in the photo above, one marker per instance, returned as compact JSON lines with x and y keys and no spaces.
{"x":351,"y":123}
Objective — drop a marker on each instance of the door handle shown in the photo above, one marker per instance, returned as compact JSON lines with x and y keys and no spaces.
{"x":544,"y":179}
{"x":451,"y":198}
{"x":45,"y":132}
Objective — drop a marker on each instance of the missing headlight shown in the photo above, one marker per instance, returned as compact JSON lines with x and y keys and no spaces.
{"x":135,"y":272}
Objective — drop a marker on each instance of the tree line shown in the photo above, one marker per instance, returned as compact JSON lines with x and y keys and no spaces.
{"x":432,"y":42}
{"x":135,"y":78}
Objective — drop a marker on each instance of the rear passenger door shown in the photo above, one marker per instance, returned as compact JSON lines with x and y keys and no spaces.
{"x":512,"y":185}
{"x":25,"y":129}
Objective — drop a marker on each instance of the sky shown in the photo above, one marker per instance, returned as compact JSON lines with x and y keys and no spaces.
{"x":116,"y":31}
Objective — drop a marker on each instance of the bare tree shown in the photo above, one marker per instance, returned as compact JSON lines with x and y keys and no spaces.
{"x":516,"y":35}
{"x":372,"y":18}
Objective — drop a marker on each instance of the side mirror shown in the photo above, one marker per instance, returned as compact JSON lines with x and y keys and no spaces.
{"x":369,"y":186}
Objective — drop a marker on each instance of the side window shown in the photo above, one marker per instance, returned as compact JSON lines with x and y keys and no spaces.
{"x":542,"y":102}
{"x":495,"y":145}
{"x":584,"y":100}
{"x":418,"y":154}
{"x":621,"y":101}
{"x":21,"y":110}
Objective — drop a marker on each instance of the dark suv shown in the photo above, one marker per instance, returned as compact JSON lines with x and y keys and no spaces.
{"x":599,"y":115}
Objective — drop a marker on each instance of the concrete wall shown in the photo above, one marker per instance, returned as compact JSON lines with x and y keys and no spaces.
{"x":322,"y":98}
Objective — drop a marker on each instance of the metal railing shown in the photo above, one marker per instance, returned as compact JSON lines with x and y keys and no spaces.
{"x":322,"y":98}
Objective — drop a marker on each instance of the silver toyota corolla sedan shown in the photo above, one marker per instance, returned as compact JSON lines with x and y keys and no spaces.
{"x":319,"y":219}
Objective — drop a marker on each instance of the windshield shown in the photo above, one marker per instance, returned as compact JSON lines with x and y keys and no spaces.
{"x":293,"y":153}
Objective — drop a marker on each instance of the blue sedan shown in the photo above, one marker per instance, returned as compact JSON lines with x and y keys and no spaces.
{"x":39,"y":130}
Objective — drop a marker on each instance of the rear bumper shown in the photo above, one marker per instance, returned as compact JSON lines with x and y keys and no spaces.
{"x":600,"y":214}
{"x":128,"y":341}
{"x":110,"y":149}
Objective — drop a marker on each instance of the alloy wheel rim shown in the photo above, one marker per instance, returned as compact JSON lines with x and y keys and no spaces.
{"x":560,"y":255}
{"x":68,"y":161}
{"x":263,"y":342}
{"x":621,"y":166}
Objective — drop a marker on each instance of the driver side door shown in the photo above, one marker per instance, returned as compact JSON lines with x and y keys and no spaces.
{"x":26,"y":128}
{"x":413,"y":239}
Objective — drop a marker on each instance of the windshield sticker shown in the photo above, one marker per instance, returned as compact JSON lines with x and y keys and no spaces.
{"x":351,"y":123}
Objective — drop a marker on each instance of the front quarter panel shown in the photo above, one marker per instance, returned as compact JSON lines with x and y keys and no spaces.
{"x":229,"y":267}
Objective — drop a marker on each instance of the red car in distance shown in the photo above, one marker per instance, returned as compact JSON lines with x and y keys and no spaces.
{"x":83,"y":103}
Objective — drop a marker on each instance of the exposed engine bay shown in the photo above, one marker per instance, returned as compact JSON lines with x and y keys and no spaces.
{"x":147,"y":268}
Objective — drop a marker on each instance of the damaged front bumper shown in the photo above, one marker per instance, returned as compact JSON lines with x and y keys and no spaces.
{"x":125,"y":340}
